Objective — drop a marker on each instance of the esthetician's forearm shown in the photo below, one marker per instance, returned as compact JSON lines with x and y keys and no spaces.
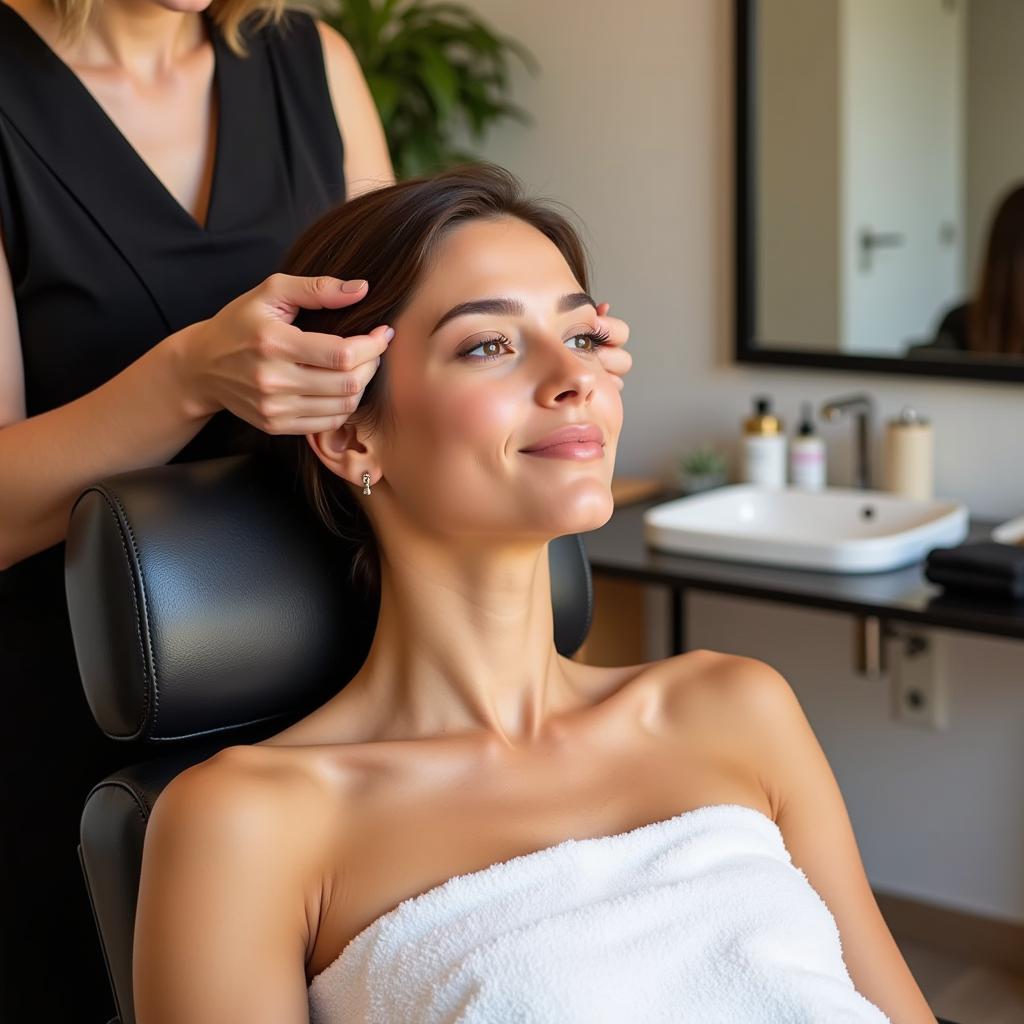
{"x":142,"y":417}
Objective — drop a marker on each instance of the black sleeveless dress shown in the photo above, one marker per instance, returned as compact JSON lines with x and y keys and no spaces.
{"x":105,"y":263}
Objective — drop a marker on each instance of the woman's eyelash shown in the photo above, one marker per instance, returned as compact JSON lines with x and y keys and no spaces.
{"x":597,"y":338}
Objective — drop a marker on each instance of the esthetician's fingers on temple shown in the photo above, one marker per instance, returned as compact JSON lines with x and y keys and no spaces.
{"x":614,"y":358}
{"x":329,"y":373}
{"x":312,"y":349}
{"x":253,"y":361}
{"x":312,"y":381}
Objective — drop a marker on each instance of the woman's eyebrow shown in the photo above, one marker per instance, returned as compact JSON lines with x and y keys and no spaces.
{"x":510,"y":307}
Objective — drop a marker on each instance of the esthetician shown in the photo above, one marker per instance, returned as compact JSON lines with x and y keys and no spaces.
{"x":156,"y":159}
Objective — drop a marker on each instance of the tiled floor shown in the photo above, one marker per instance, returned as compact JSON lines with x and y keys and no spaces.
{"x":964,"y":992}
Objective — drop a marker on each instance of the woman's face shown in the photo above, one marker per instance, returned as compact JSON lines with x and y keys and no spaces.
{"x":451,"y":459}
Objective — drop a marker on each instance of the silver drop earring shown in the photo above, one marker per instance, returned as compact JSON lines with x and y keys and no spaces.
{"x":366,"y":483}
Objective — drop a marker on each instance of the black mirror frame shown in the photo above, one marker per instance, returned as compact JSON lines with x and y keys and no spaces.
{"x":746,"y":349}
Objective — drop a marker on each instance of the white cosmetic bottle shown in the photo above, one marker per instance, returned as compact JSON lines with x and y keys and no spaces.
{"x":764,"y":447}
{"x":807,"y":455}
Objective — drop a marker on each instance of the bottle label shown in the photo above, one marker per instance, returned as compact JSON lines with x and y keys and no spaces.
{"x":765,"y":461}
{"x":807,"y":458}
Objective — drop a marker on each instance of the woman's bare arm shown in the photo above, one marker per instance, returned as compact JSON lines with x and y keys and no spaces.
{"x":229,"y":896}
{"x":12,"y":368}
{"x":139,"y":418}
{"x":367,"y":160}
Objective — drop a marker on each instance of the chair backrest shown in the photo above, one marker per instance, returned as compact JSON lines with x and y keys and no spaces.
{"x":209,"y":608}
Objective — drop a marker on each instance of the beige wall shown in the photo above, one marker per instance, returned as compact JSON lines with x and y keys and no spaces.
{"x":634,"y":132}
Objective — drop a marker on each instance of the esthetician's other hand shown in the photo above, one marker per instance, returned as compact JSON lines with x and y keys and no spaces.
{"x":613,"y":356}
{"x":252,"y":360}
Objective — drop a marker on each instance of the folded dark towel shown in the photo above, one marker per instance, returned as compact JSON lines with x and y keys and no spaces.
{"x":989,"y":566}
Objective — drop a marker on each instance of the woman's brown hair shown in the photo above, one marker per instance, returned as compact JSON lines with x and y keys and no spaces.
{"x":389,"y":237}
{"x":996,"y":316}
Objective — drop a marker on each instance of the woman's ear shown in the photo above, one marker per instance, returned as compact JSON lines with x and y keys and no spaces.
{"x":343,"y":453}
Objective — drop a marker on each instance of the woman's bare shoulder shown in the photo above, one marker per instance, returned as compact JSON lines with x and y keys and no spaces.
{"x":701,"y":678}
{"x":737,"y":690}
{"x":678,"y":687}
{"x":713,"y":698}
{"x":733,"y":698}
{"x":283,"y":791}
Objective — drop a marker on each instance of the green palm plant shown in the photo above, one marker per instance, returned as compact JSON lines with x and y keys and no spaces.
{"x":431,"y":67}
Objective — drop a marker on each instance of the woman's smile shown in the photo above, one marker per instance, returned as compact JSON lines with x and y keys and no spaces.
{"x":570,"y":450}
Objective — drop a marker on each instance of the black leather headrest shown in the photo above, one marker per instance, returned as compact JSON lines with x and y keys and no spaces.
{"x":202,"y":596}
{"x":205,"y":596}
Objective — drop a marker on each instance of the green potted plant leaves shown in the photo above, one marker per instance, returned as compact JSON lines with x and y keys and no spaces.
{"x":432,"y":68}
{"x":702,"y":470}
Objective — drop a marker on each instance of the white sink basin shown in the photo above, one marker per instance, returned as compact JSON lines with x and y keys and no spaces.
{"x":838,"y":529}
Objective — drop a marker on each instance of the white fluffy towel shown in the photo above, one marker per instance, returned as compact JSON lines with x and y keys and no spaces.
{"x":700,"y":918}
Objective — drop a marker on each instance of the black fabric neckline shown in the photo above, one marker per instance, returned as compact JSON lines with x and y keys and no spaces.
{"x":92,"y":110}
{"x":268,"y":146}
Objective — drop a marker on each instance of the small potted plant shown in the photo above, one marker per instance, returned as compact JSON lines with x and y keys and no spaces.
{"x":701,"y":470}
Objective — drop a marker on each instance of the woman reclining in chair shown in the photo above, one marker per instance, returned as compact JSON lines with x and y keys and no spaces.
{"x":476,"y":828}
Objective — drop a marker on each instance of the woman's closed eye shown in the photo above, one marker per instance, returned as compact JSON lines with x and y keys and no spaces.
{"x":596,"y":338}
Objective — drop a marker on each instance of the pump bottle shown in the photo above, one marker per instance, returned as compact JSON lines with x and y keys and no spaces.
{"x":764,"y":447}
{"x":807,"y":455}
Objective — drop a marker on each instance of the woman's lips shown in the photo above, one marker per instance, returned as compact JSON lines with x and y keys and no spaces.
{"x":570,"y":450}
{"x":576,"y":441}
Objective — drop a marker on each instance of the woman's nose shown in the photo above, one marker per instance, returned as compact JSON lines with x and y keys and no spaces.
{"x":567,"y":370}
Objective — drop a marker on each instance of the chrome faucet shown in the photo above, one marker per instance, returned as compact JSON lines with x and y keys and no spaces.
{"x":864,"y":407}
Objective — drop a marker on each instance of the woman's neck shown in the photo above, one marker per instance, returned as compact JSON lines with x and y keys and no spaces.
{"x":463,"y":649}
{"x":137,"y":37}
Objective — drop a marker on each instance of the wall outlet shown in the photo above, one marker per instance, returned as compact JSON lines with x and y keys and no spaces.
{"x":917,"y":665}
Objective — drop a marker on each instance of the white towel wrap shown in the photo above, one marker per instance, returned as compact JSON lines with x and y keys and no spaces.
{"x":700,"y":918}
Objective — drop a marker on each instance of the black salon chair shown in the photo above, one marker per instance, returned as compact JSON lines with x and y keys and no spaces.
{"x":209,"y":608}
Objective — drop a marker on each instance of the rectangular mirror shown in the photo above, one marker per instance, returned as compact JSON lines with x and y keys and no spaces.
{"x":880,"y":185}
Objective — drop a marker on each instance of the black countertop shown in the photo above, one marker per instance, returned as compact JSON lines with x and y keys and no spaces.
{"x":618,"y":549}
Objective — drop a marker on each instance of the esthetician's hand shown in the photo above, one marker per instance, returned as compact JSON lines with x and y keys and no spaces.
{"x":250,"y":358}
{"x":613,"y":356}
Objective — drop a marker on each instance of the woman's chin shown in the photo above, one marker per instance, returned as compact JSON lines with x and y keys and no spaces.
{"x":185,"y":6}
{"x":584,"y":513}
